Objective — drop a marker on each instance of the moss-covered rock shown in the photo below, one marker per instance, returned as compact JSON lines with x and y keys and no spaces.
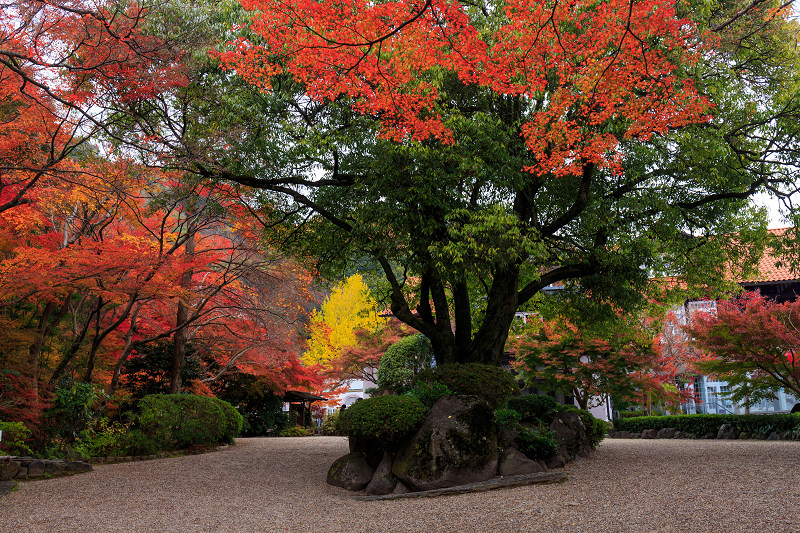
{"x":350,"y":471}
{"x":456,"y":444}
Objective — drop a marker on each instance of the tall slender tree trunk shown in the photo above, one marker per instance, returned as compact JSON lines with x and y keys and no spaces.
{"x":126,"y":352}
{"x":181,"y":317}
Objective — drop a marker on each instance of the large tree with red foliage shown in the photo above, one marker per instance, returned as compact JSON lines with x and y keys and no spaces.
{"x":752,"y":342}
{"x":480,"y":151}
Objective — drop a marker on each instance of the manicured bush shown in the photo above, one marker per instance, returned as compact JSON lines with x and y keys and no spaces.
{"x":385,"y":418}
{"x":429,"y":393}
{"x":177,"y":421}
{"x":402,"y":361}
{"x":533,"y":406}
{"x":701,"y":425}
{"x":489,"y":383}
{"x":15,"y":435}
{"x":537,"y":443}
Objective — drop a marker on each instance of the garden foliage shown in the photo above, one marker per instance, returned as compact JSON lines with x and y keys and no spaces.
{"x":385,"y":418}
{"x":489,"y":383}
{"x":402,"y":362}
{"x":178,"y":421}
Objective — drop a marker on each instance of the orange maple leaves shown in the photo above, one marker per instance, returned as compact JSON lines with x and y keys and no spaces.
{"x":595,"y":73}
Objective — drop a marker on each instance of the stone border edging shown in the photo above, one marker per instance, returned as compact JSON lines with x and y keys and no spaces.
{"x":492,"y":484}
{"x":115,"y":459}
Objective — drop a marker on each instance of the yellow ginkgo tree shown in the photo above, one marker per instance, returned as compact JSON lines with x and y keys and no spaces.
{"x":350,"y":307}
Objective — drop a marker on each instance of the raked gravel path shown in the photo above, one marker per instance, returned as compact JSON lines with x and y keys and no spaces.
{"x":278,"y":484}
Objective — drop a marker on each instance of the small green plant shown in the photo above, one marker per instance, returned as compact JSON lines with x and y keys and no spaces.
{"x":329,"y":425}
{"x":507,"y":418}
{"x":429,"y":393}
{"x":73,"y":413}
{"x":707,"y":424}
{"x":489,"y":383}
{"x":15,"y":435}
{"x":537,"y":443}
{"x":385,"y":418}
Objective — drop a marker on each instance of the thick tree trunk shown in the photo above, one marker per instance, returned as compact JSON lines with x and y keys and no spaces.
{"x":489,"y":342}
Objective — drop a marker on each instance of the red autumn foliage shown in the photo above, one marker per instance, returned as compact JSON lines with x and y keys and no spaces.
{"x":625,"y":361}
{"x":752,"y":336}
{"x":595,"y":62}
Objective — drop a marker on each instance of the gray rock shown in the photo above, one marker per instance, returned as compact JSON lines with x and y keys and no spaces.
{"x":75,"y":467}
{"x":666,"y":433}
{"x":456,"y":444}
{"x":9,"y":471}
{"x":350,"y":471}
{"x":570,"y":435}
{"x":400,"y":488}
{"x":383,"y":482}
{"x":773,"y":436}
{"x":728,"y":431}
{"x":55,"y":468}
{"x":514,"y":462}
{"x":649,"y":434}
{"x":556,"y":461}
{"x":36,"y":468}
{"x":370,"y":448}
{"x":507,"y":438}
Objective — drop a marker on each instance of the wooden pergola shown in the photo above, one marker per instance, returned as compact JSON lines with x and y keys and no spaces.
{"x":299,"y":404}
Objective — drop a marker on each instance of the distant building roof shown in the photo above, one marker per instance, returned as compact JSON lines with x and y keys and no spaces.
{"x":768,"y":266}
{"x":300,"y":396}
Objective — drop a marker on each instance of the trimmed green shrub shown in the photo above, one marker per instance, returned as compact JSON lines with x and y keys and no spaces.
{"x":533,"y":406}
{"x":176,"y":421}
{"x":537,"y":443}
{"x":489,"y":383}
{"x":701,"y":425}
{"x":402,"y":361}
{"x":385,"y":418}
{"x":429,"y":393}
{"x":14,"y":436}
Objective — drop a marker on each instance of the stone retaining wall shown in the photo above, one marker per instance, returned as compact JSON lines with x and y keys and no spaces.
{"x":21,"y":468}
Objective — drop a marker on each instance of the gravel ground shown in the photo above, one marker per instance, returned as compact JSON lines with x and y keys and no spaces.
{"x":278,"y":484}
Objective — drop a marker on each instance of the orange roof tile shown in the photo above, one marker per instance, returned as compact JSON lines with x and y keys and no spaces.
{"x":768,"y":266}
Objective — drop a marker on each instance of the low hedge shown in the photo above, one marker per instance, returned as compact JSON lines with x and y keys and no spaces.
{"x":178,"y":421}
{"x":386,"y":418}
{"x":703,"y":424}
{"x":489,"y":383}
